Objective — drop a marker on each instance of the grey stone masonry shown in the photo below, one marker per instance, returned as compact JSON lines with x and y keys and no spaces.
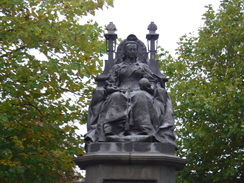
{"x":130,"y":162}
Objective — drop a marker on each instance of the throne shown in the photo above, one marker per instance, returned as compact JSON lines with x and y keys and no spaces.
{"x":99,"y":94}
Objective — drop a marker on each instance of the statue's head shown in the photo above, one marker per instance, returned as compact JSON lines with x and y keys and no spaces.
{"x":141,"y":50}
{"x":130,"y":50}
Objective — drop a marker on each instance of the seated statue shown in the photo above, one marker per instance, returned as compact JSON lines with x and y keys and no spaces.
{"x":133,"y":105}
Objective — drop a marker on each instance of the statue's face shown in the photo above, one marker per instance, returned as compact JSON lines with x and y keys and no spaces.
{"x":131,"y":50}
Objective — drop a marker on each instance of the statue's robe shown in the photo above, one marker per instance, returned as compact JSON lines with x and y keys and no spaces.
{"x":124,"y":108}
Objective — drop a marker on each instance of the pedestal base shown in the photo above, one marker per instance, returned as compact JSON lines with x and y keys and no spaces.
{"x":130,"y":162}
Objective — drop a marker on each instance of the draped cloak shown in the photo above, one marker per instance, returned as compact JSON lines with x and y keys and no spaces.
{"x":123,"y":107}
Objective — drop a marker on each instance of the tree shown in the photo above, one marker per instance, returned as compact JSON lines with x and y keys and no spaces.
{"x":37,"y":116}
{"x":206,"y":87}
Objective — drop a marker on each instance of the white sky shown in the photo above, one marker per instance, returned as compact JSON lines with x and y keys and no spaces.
{"x":174,"y":18}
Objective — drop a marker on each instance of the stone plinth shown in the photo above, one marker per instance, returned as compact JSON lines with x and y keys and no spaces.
{"x":130,"y":162}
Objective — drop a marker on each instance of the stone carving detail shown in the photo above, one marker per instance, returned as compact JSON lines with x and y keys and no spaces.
{"x":133,"y":104}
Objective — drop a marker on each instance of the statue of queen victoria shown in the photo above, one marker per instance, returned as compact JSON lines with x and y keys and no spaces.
{"x":132,"y":104}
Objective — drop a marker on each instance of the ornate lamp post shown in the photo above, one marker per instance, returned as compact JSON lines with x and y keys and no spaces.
{"x":152,"y":40}
{"x":111,"y":46}
{"x":152,"y":37}
{"x":111,"y":40}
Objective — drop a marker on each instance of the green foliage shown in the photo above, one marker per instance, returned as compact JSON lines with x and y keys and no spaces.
{"x":206,"y":86}
{"x":37,"y":115}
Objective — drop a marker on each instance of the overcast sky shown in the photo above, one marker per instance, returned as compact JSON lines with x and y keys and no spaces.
{"x":174,"y":18}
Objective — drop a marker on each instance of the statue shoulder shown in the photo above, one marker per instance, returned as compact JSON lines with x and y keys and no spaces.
{"x":116,"y":67}
{"x":143,"y":65}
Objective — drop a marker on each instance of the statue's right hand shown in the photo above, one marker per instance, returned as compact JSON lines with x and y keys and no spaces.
{"x":111,"y":89}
